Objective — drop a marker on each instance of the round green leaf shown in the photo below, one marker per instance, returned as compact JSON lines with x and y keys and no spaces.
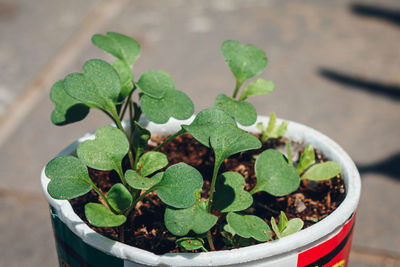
{"x":69,"y":178}
{"x":179,"y":185}
{"x":258,"y":87}
{"x":155,"y":83}
{"x":245,"y":61}
{"x":99,"y":84}
{"x":106,"y":151}
{"x":274,"y":175}
{"x":230,"y":194}
{"x":180,"y":221}
{"x":125,"y":76}
{"x":151,"y":162}
{"x":190,"y":243}
{"x":228,"y":140}
{"x":322,"y":171}
{"x":205,"y":123}
{"x":67,"y":109}
{"x":100,"y":216}
{"x":119,"y":197}
{"x":293,"y":226}
{"x":243,"y":112}
{"x":118,"y":45}
{"x":137,"y":181}
{"x":173,"y":104}
{"x":249,"y":226}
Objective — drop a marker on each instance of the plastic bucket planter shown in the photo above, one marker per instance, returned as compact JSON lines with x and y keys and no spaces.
{"x":326,"y":243}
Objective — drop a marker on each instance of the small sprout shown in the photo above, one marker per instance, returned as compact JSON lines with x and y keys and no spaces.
{"x":286,"y":227}
{"x":196,"y":218}
{"x":274,"y":175}
{"x":273,"y":130}
{"x":140,"y":138}
{"x":191,"y":243}
{"x":306,"y":159}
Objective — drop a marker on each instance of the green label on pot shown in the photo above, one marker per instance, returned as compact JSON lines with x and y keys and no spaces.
{"x":72,"y":251}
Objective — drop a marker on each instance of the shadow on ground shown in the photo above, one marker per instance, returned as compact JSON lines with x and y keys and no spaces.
{"x":389,"y":167}
{"x":374,"y":11}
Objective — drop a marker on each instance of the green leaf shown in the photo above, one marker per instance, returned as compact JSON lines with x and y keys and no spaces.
{"x":174,"y":104}
{"x":274,"y":175}
{"x":293,"y":226}
{"x":275,"y":228}
{"x":69,"y":178}
{"x":125,"y":76}
{"x":180,"y":221}
{"x":228,"y":140}
{"x":99,"y":85}
{"x":190,"y":243}
{"x":283,"y":221}
{"x":141,"y":137}
{"x":322,"y":171}
{"x":227,"y":228}
{"x":245,"y":61}
{"x":179,"y":185}
{"x":106,"y":151}
{"x":100,"y":216}
{"x":67,"y":109}
{"x":119,"y":45}
{"x":258,"y":87}
{"x":306,"y":159}
{"x":249,"y":226}
{"x":137,"y":181}
{"x":150,"y":162}
{"x":119,"y":197}
{"x":243,"y":112}
{"x":230,"y":194}
{"x":155,"y":83}
{"x":205,"y":124}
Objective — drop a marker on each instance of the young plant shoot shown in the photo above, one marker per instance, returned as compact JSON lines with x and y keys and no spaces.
{"x":192,"y":214}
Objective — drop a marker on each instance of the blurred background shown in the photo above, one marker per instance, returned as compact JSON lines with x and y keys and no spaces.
{"x":336,"y":65}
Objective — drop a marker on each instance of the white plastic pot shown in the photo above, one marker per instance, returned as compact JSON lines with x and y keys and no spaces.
{"x":325,"y":243}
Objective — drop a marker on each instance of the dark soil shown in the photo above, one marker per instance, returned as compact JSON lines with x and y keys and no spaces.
{"x":145,"y":228}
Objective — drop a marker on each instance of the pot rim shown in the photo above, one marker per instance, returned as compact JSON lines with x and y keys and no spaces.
{"x":296,"y":242}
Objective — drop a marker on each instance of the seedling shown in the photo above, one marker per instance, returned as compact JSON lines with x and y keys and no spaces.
{"x":190,"y":214}
{"x":273,"y":130}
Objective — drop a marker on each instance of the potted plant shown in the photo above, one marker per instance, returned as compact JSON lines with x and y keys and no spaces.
{"x":214,"y":211}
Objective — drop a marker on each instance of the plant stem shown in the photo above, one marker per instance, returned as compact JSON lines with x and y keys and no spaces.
{"x":119,"y":125}
{"x":210,"y":241}
{"x":121,"y":175}
{"x":127,"y":103}
{"x":212,"y":187}
{"x":238,"y":84}
{"x":204,"y":249}
{"x":166,"y":141}
{"x":108,"y":114}
{"x":121,"y":234}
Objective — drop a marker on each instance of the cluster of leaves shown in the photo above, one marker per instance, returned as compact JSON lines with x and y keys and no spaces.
{"x":189,"y":214}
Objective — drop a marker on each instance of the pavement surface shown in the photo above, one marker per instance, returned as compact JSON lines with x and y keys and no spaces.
{"x":336,"y":65}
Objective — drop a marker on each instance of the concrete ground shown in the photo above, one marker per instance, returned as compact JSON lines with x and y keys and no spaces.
{"x":336,"y":65}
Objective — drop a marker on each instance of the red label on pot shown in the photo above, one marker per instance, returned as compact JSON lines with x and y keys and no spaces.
{"x":332,"y":253}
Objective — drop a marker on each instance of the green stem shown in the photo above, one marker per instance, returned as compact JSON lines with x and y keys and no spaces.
{"x":119,"y":125}
{"x":210,"y":240}
{"x":212,"y":188}
{"x":135,"y":195}
{"x":108,"y":114}
{"x":121,"y":175}
{"x":204,"y":249}
{"x":237,"y":87}
{"x":166,"y":141}
{"x":127,"y":103}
